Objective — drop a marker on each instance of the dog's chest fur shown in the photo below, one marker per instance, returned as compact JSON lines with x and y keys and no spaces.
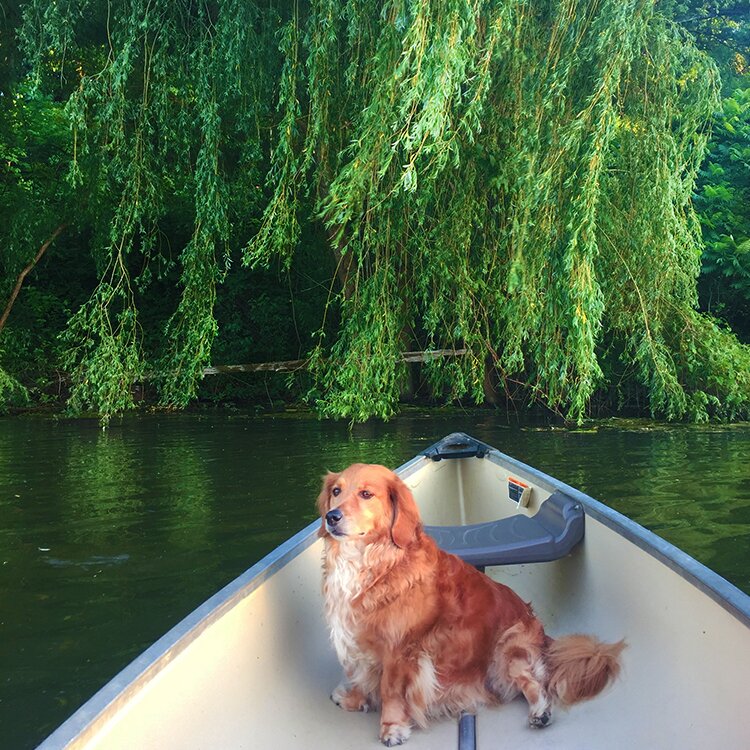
{"x":357,"y":586}
{"x":342,"y":584}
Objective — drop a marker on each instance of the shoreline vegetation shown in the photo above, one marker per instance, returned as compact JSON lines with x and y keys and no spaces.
{"x":549,"y":205}
{"x":534,"y":418}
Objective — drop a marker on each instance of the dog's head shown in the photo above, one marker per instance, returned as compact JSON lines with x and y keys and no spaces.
{"x":369,"y":503}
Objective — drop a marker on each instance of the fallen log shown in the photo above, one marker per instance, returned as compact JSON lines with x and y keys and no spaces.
{"x":292,"y":365}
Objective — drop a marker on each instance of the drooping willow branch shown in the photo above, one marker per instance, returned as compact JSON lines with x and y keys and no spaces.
{"x":507,"y":178}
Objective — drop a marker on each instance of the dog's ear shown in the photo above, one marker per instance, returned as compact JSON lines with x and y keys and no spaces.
{"x":406,"y":524}
{"x":325,"y":493}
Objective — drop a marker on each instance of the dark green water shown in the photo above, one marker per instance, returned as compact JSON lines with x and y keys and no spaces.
{"x":107,"y":539}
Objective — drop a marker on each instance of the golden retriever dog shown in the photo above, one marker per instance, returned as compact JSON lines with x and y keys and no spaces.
{"x":420,"y":633}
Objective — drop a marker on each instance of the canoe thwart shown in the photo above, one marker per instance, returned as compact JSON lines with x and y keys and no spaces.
{"x":548,"y":535}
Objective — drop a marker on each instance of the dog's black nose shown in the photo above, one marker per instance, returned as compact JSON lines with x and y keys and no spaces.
{"x":334,"y":516}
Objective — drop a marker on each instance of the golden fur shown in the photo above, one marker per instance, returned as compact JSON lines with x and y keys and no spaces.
{"x":419,"y":632}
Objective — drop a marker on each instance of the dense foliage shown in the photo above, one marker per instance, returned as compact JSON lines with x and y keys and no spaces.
{"x":508,"y":179}
{"x":723,"y":200}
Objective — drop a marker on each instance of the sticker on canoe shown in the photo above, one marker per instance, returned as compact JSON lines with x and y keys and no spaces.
{"x":518,"y":492}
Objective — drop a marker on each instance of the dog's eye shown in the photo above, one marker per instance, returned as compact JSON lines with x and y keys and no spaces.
{"x":336,"y":491}
{"x":365,"y":494}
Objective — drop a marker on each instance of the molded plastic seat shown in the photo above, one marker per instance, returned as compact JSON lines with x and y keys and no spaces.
{"x":548,"y":535}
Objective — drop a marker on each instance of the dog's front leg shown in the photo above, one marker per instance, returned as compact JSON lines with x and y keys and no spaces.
{"x":395,"y":718}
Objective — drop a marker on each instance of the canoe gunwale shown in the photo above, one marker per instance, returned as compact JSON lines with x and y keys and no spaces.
{"x":104,"y":703}
{"x":711,"y":583}
{"x":98,"y":709}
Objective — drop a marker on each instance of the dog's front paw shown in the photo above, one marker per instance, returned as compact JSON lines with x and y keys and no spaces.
{"x":394,"y":734}
{"x":350,"y":698}
{"x":541,"y":720}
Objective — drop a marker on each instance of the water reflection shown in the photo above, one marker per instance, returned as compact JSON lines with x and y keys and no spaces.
{"x":97,"y":561}
{"x":108,"y":539}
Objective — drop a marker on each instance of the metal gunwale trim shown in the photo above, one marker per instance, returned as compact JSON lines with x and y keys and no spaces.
{"x":96,"y":710}
{"x":734,"y":600}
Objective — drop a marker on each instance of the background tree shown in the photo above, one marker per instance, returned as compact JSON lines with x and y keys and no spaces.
{"x":722,"y":199}
{"x":510,"y":179}
{"x":36,"y":204}
{"x":723,"y":202}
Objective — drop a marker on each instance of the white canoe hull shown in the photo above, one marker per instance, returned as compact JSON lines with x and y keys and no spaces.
{"x":253,"y":666}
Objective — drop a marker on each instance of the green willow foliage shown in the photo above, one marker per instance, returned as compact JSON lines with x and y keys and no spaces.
{"x":723,"y":203}
{"x":505,"y":177}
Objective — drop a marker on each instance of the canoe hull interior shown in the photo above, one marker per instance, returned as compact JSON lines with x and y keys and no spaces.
{"x":253,"y":667}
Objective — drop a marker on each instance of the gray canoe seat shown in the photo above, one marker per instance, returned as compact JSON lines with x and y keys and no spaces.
{"x":550,"y":534}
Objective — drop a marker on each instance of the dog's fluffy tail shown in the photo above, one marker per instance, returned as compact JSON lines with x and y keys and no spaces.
{"x":580,"y":667}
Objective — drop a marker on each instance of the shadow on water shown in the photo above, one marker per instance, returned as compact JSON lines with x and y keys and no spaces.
{"x":108,"y":538}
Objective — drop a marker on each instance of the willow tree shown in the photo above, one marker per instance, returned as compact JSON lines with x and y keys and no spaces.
{"x":508,"y":178}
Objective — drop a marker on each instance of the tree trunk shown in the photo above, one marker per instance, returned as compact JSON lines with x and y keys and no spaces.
{"x":25,"y":272}
{"x":344,"y":263}
{"x":490,"y":382}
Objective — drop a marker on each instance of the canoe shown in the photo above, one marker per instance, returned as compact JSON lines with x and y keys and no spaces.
{"x":253,"y":666}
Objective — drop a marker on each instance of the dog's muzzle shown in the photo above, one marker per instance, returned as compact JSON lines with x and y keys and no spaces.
{"x":333,"y":518}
